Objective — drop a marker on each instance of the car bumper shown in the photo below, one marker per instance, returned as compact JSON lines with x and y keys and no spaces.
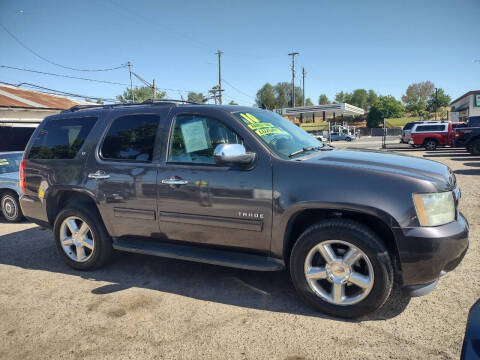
{"x":426,"y":253}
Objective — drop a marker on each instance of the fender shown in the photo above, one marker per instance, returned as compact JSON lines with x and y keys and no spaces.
{"x":281,"y":232}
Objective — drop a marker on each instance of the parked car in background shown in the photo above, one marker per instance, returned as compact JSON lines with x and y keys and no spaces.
{"x":407,"y":129}
{"x":430,"y":136}
{"x":335,"y":136}
{"x":9,"y":186}
{"x":472,"y":142}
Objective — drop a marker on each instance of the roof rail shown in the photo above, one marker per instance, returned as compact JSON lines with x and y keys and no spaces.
{"x":111,"y":106}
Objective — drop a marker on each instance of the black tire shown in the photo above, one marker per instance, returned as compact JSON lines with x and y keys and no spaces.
{"x":348,"y":139}
{"x":102,"y":251}
{"x":430,"y":145}
{"x":361,"y":237}
{"x":10,"y":207}
{"x":474,"y":147}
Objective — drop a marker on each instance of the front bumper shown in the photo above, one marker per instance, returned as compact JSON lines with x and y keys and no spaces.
{"x":428,"y":252}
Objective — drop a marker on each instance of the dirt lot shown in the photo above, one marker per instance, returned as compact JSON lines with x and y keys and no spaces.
{"x":145,"y":307}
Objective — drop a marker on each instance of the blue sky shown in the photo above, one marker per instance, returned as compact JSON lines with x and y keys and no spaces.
{"x":343,"y":45}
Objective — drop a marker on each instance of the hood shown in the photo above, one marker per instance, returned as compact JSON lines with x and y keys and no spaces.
{"x":398,"y":164}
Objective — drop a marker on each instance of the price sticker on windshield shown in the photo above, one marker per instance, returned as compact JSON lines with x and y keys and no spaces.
{"x":268,"y":131}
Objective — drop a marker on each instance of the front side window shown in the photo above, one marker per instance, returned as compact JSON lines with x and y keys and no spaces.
{"x":61,"y":139}
{"x":195,"y":137}
{"x":284,"y":138}
{"x":131,"y":138}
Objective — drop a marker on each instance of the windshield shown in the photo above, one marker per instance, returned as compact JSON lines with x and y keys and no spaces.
{"x":282,"y":136}
{"x":9,"y":163}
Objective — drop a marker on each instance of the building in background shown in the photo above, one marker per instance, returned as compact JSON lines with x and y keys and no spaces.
{"x":466,"y":107}
{"x":22,"y":110}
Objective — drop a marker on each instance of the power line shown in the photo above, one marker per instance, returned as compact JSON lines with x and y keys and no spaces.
{"x":52,"y":62}
{"x":234,"y":88}
{"x":61,"y":75}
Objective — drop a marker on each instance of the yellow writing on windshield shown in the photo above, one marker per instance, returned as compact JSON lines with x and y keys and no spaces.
{"x":267,"y":131}
{"x":250,"y":118}
{"x":260,"y":125}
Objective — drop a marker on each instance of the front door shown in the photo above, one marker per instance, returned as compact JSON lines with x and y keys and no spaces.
{"x":201,"y":202}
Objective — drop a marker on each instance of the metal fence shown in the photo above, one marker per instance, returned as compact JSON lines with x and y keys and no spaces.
{"x":380,"y":131}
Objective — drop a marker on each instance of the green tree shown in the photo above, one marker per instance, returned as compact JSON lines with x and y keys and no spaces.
{"x":323,"y":99}
{"x":139,"y":94}
{"x":232,"y":103}
{"x":359,"y":98}
{"x":308,"y":102}
{"x":384,"y":107}
{"x":371,"y":98}
{"x":266,"y":96}
{"x":278,"y":96}
{"x":196,"y":97}
{"x":416,"y":97}
{"x":440,"y":99}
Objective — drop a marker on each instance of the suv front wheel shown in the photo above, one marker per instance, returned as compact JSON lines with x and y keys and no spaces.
{"x":341,"y":268}
{"x":81,"y":238}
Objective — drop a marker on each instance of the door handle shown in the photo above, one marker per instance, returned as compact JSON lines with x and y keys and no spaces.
{"x":174,"y":181}
{"x":99,"y":175}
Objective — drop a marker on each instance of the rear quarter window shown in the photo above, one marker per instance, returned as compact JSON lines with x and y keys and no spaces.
{"x":61,"y":138}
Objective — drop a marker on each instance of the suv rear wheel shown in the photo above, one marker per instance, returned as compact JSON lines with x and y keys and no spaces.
{"x":430,"y":144}
{"x":81,"y":239}
{"x":474,"y":147}
{"x":10,"y":207}
{"x":341,"y":268}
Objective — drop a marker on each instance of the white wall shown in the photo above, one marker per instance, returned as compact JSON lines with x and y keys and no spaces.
{"x":23,"y":117}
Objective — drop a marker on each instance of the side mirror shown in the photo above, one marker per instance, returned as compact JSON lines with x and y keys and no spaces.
{"x":232,"y":154}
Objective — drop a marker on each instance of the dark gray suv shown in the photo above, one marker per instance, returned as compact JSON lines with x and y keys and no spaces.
{"x":242,"y":187}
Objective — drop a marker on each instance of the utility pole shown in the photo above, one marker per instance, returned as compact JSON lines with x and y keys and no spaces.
{"x":131,"y":83}
{"x":219,"y":53}
{"x":303,"y":84}
{"x":436,"y":102}
{"x":154,"y":90}
{"x":292,"y":54}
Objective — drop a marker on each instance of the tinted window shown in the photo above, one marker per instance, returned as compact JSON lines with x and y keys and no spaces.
{"x":408,"y":126}
{"x":426,"y":128}
{"x":131,"y":137}
{"x":9,"y":163}
{"x":194,"y":139}
{"x":61,"y":139}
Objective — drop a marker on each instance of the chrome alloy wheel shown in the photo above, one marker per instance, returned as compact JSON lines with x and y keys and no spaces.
{"x":9,"y":207}
{"x":76,"y":239}
{"x":339,"y":272}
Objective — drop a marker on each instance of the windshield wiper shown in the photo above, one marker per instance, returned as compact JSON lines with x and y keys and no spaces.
{"x":310,"y":148}
{"x":307,"y":148}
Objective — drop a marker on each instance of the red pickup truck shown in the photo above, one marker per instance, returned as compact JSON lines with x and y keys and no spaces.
{"x":432,"y":135}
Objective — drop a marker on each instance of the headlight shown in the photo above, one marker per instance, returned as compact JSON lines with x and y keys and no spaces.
{"x":434,"y":209}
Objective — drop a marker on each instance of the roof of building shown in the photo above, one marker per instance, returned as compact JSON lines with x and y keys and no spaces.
{"x":11,"y":96}
{"x":465,"y":95}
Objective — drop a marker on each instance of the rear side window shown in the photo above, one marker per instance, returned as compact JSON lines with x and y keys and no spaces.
{"x":61,"y":139}
{"x":426,"y":128}
{"x":131,"y":138}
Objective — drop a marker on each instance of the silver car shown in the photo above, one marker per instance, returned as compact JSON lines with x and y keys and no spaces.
{"x":10,"y":186}
{"x":335,"y":136}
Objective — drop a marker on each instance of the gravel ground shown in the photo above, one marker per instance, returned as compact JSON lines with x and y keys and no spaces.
{"x":145,"y":307}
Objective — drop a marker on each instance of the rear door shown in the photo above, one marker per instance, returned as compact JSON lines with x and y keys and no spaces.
{"x":201,"y":202}
{"x":122,"y":172}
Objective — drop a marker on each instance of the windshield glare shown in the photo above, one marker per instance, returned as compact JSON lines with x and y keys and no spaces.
{"x":280,"y":135}
{"x":9,"y":163}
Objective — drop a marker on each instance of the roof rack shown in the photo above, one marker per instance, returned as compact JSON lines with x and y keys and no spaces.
{"x":111,"y":106}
